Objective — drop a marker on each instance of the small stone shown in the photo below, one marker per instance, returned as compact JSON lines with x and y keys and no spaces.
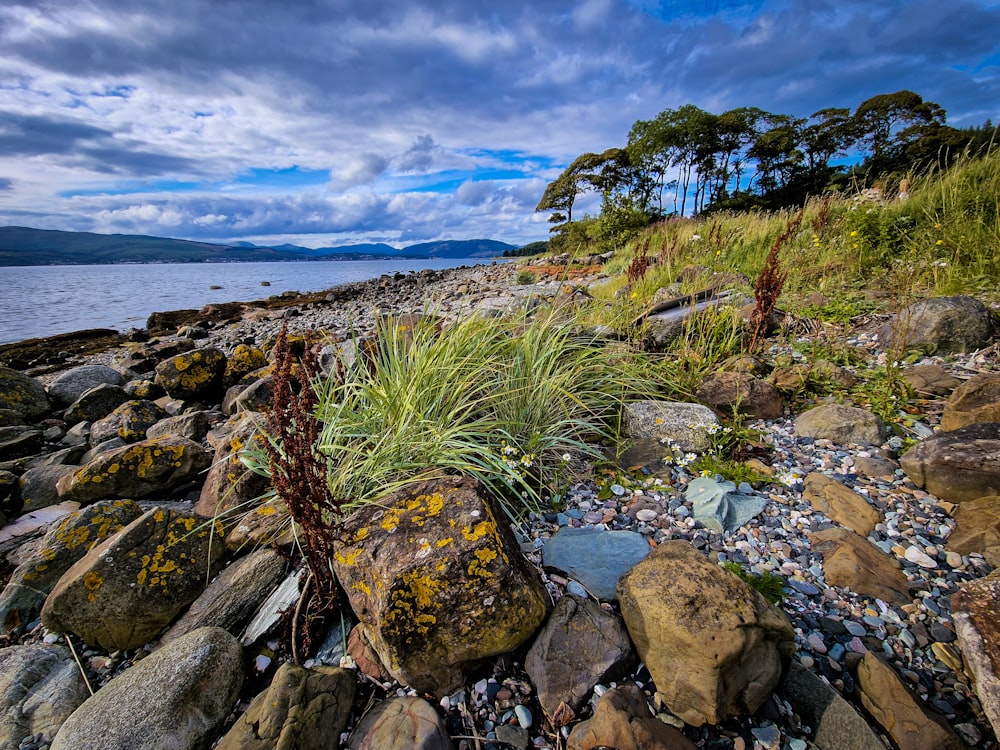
{"x":953,"y":559}
{"x":917,"y":556}
{"x":815,"y":641}
{"x":646,"y":515}
{"x":855,"y":628}
{"x":524,"y":717}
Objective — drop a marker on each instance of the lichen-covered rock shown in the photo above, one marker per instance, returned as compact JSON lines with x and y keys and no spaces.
{"x":194,"y":374}
{"x":714,"y":647}
{"x":841,"y":424}
{"x":940,"y":324}
{"x":580,"y":646}
{"x":22,"y":394}
{"x":40,"y":686}
{"x":976,"y":400}
{"x":407,"y":723}
{"x":687,"y":425}
{"x":737,"y":392}
{"x":70,"y":385}
{"x":976,"y":609}
{"x":840,"y":503}
{"x":899,"y":711}
{"x":129,"y":421}
{"x":126,"y":590}
{"x":622,"y":720}
{"x":174,"y":699}
{"x":230,"y":483}
{"x":243,"y":361}
{"x":138,"y":470}
{"x":63,"y":544}
{"x":303,"y":709}
{"x":960,"y":465}
{"x":437,"y":583}
{"x":852,"y":562}
{"x":96,"y":403}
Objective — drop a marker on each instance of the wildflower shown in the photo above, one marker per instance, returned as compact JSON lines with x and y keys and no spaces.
{"x":566,"y":457}
{"x":939,"y":242}
{"x":854,"y":233}
{"x":705,"y":473}
{"x":696,"y":238}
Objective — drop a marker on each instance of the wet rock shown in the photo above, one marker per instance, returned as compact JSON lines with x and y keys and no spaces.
{"x":232,"y":599}
{"x":40,"y":686}
{"x":401,"y":724}
{"x":126,"y":590}
{"x":852,"y":562}
{"x":437,"y":583}
{"x":622,"y":720}
{"x":841,"y":424}
{"x":960,"y":465}
{"x":737,"y":392}
{"x":70,"y":385}
{"x":687,"y":425}
{"x":37,"y":486}
{"x":977,"y":529}
{"x":840,"y":503}
{"x":941,"y":324}
{"x":714,"y":647}
{"x":96,"y":403}
{"x":899,"y":712}
{"x":174,"y":699}
{"x":596,"y":559}
{"x":303,"y":709}
{"x":580,"y":646}
{"x":63,"y":544}
{"x":129,"y":421}
{"x":150,"y":467}
{"x":976,"y":400}
{"x":192,"y":375}
{"x":976,"y":611}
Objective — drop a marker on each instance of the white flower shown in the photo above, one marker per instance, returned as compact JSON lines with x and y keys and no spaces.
{"x":566,"y":457}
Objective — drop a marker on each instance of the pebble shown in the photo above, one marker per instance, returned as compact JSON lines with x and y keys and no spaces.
{"x":645,"y":515}
{"x":524,"y":717}
{"x":917,"y":556}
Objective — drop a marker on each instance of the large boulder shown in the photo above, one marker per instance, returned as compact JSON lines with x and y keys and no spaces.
{"x":437,"y":583}
{"x":941,"y":324}
{"x":594,"y":558}
{"x":22,"y":394}
{"x":739,"y":393}
{"x":976,"y":612}
{"x":303,"y":709}
{"x":622,"y":720}
{"x":128,"y":421}
{"x":852,"y":562}
{"x":840,"y":503}
{"x":841,"y":424}
{"x":977,"y":529}
{"x":37,"y":486}
{"x":125,"y":591}
{"x":407,"y":723}
{"x":40,"y":686}
{"x":152,"y":466}
{"x":899,"y":712}
{"x":976,"y":400}
{"x":96,"y":403}
{"x":230,"y":483}
{"x":63,"y":544}
{"x":174,"y":699}
{"x":581,"y":645}
{"x":960,"y":465}
{"x":192,"y":375}
{"x":70,"y":385}
{"x":687,"y":425}
{"x":714,"y":647}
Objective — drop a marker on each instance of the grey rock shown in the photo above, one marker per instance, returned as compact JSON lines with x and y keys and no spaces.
{"x":70,"y":385}
{"x":19,"y":441}
{"x":595,"y":558}
{"x":22,"y":394}
{"x":719,"y":507}
{"x":174,"y":699}
{"x":37,"y":486}
{"x":192,"y":425}
{"x":940,"y":324}
{"x":683,"y":423}
{"x":128,"y":421}
{"x":96,"y":403}
{"x":841,"y":424}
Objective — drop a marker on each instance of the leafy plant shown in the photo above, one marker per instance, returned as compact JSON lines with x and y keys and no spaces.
{"x":770,"y":585}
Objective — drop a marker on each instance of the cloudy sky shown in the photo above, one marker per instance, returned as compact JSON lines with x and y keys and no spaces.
{"x":327,"y":122}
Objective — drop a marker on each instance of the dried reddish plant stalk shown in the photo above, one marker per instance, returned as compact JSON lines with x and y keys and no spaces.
{"x":640,"y":264}
{"x":769,"y":285}
{"x":298,"y":472}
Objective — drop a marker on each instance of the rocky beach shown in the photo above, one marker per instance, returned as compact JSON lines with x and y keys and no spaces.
{"x":146,"y":571}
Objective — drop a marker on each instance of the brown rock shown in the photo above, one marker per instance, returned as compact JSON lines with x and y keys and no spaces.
{"x":852,"y":562}
{"x":126,"y":590}
{"x":839,"y":424}
{"x":303,"y":709}
{"x":977,"y":529}
{"x":230,"y":483}
{"x":930,"y":380}
{"x":898,"y":712}
{"x":976,"y":400}
{"x":194,"y":374}
{"x":437,"y":583}
{"x":737,"y":392}
{"x":840,"y":503}
{"x":401,"y":724}
{"x":939,"y":324}
{"x":622,"y":720}
{"x":191,"y":425}
{"x":580,"y":646}
{"x":714,"y":647}
{"x":957,"y":466}
{"x":976,"y":610}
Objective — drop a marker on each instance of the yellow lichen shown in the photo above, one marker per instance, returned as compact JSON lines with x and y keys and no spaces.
{"x":92,"y":581}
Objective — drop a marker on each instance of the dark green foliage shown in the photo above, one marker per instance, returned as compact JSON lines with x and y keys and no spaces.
{"x":770,"y":585}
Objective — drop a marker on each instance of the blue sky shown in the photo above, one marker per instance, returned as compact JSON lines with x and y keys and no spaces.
{"x":327,"y":122}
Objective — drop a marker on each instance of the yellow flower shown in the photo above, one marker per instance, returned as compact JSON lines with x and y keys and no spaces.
{"x":854,"y":233}
{"x":939,"y":242}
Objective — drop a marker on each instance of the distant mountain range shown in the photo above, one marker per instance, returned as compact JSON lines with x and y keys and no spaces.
{"x":23,"y":246}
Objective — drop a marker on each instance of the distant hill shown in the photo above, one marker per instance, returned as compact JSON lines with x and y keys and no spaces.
{"x":24,"y":246}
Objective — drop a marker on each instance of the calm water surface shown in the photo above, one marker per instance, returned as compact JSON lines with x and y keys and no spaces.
{"x":40,"y":301}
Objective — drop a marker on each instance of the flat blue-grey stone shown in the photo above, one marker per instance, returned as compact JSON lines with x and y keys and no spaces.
{"x":595,"y":558}
{"x":718,"y":506}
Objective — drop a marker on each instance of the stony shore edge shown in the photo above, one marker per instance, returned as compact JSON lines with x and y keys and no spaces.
{"x":898,"y":605}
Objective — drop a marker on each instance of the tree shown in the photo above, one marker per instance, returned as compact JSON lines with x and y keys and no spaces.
{"x":888,"y":123}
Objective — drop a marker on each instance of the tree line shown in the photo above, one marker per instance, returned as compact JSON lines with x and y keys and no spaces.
{"x":687,"y":160}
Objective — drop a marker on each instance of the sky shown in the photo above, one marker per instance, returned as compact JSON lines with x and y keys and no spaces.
{"x":332,"y":122}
